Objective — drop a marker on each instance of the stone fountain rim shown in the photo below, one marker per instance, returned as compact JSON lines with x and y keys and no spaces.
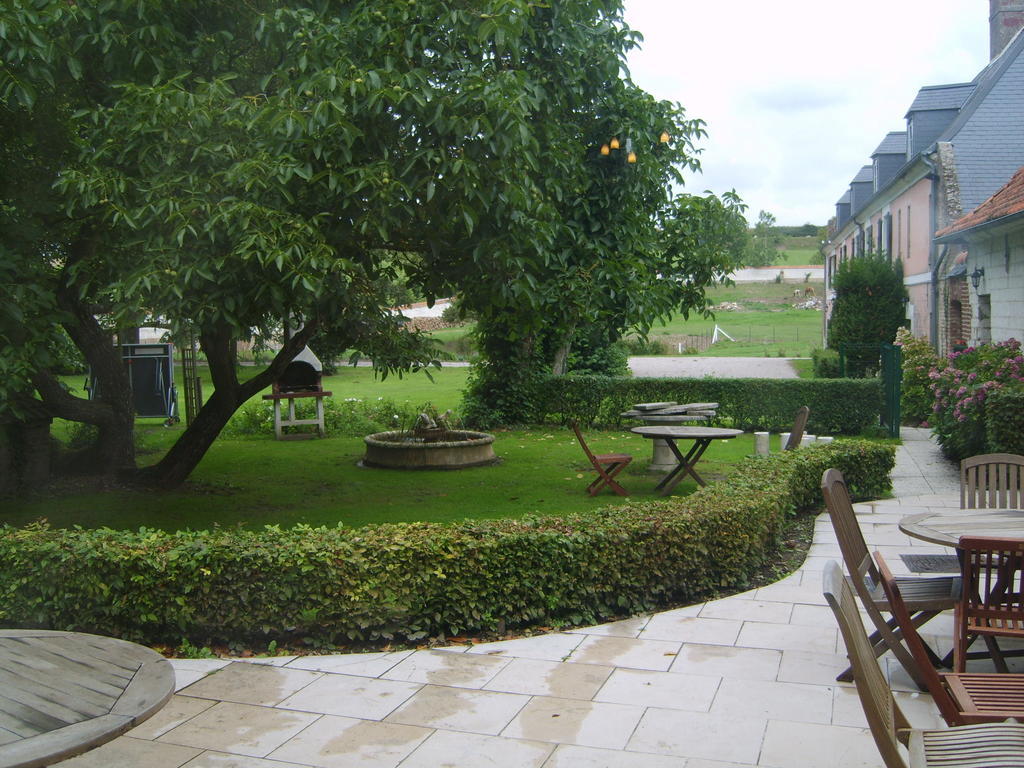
{"x":391,"y":439}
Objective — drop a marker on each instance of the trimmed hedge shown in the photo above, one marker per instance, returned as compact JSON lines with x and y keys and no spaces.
{"x":1004,"y":421}
{"x":324,"y":586}
{"x":838,"y":406}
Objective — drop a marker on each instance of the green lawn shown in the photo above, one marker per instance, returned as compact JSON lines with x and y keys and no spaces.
{"x":757,"y":332}
{"x":264,"y":482}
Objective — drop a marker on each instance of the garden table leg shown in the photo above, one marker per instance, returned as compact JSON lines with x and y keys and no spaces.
{"x":686,"y":465}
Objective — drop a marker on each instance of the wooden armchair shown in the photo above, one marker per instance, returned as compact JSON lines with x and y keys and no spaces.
{"x":799,"y":425}
{"x":962,"y":698}
{"x":991,"y":605}
{"x":966,"y":746}
{"x":992,"y":481}
{"x":925,"y":597}
{"x":608,"y":465}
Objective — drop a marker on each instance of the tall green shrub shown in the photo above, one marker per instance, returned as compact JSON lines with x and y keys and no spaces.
{"x":826,"y":363}
{"x":868,"y":307}
{"x":919,"y":359}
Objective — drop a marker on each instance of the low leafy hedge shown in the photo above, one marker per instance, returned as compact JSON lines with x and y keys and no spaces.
{"x":1004,"y":421}
{"x":325,"y":586}
{"x":838,"y":406}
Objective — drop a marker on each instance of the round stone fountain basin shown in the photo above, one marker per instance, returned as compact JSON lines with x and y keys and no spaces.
{"x":399,"y":450}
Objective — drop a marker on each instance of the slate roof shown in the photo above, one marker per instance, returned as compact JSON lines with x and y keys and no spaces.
{"x":845,"y":199}
{"x":894,"y":143}
{"x":865,"y":174}
{"x":987,"y":135}
{"x":1009,"y":200}
{"x":949,"y":96}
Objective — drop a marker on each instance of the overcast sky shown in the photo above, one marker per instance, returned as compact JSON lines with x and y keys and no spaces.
{"x":797,"y":94}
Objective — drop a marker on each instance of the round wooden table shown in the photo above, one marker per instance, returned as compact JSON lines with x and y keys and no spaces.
{"x":946,"y":528}
{"x":701,"y":437}
{"x":668,"y":414}
{"x":62,"y":693}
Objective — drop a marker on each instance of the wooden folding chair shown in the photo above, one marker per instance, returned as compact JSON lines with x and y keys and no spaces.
{"x":608,"y":465}
{"x":962,"y":698}
{"x":966,"y":746}
{"x":991,"y":604}
{"x":799,"y":425}
{"x":925,"y":597}
{"x":992,"y":481}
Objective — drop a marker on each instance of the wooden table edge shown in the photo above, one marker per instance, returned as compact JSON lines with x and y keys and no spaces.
{"x":154,"y":674}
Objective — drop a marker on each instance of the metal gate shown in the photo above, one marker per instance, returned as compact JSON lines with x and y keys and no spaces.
{"x":861,"y":361}
{"x":892,"y":377}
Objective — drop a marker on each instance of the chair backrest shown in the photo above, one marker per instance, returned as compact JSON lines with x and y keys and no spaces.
{"x":851,"y":539}
{"x":992,"y":481}
{"x":583,"y":443}
{"x":799,"y":425}
{"x":992,"y":582}
{"x":947,"y":707}
{"x":883,"y":714}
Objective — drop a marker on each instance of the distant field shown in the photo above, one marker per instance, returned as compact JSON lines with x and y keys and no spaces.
{"x":757,"y":333}
{"x":798,"y":257}
{"x":797,"y":251}
{"x":765,"y":323}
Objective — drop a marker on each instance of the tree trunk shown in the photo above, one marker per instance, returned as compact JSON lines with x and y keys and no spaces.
{"x":561,"y":359}
{"x":228,"y":395}
{"x":113,"y":413}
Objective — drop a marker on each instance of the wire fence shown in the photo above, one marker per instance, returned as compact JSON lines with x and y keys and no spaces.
{"x":768,"y":335}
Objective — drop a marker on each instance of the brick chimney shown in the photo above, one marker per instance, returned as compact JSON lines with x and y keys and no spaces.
{"x":1005,"y":18}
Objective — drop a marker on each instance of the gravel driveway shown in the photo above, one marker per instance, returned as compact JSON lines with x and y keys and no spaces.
{"x":719,"y":367}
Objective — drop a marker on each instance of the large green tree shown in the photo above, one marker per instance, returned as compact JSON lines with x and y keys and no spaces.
{"x":237,"y":165}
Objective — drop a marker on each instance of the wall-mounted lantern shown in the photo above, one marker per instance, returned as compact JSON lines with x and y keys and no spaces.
{"x":976,"y":275}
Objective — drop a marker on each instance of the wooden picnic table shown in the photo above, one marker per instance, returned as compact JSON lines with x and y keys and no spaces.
{"x":685,"y":463}
{"x":62,"y":693}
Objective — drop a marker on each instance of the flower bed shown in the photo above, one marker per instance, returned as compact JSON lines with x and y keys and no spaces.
{"x":962,"y":385}
{"x":324,"y":586}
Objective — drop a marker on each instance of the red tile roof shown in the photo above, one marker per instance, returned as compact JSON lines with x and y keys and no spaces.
{"x":1007,"y":201}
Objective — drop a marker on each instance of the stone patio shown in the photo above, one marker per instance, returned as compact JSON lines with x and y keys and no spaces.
{"x":748,"y":680}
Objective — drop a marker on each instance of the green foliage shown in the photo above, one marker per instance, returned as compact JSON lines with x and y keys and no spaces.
{"x":1004,"y":421}
{"x":229,"y":165}
{"x":763,"y":247}
{"x":350,"y":416}
{"x":826,"y":363}
{"x":636,"y":345}
{"x":919,"y":359}
{"x":962,"y":388}
{"x":868,"y":307}
{"x":504,"y":383}
{"x":804,"y":230}
{"x":323,"y":586}
{"x":838,"y":406}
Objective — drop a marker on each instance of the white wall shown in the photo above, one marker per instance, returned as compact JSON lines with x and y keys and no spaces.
{"x":1002,"y":258}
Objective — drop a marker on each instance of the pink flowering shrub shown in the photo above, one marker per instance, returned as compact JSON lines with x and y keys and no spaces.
{"x":962,"y":386}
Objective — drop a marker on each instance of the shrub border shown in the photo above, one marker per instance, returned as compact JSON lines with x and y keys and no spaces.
{"x":838,"y":406}
{"x":326,"y":586}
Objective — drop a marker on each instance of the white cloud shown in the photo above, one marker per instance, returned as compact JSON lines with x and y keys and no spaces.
{"x":798,"y":93}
